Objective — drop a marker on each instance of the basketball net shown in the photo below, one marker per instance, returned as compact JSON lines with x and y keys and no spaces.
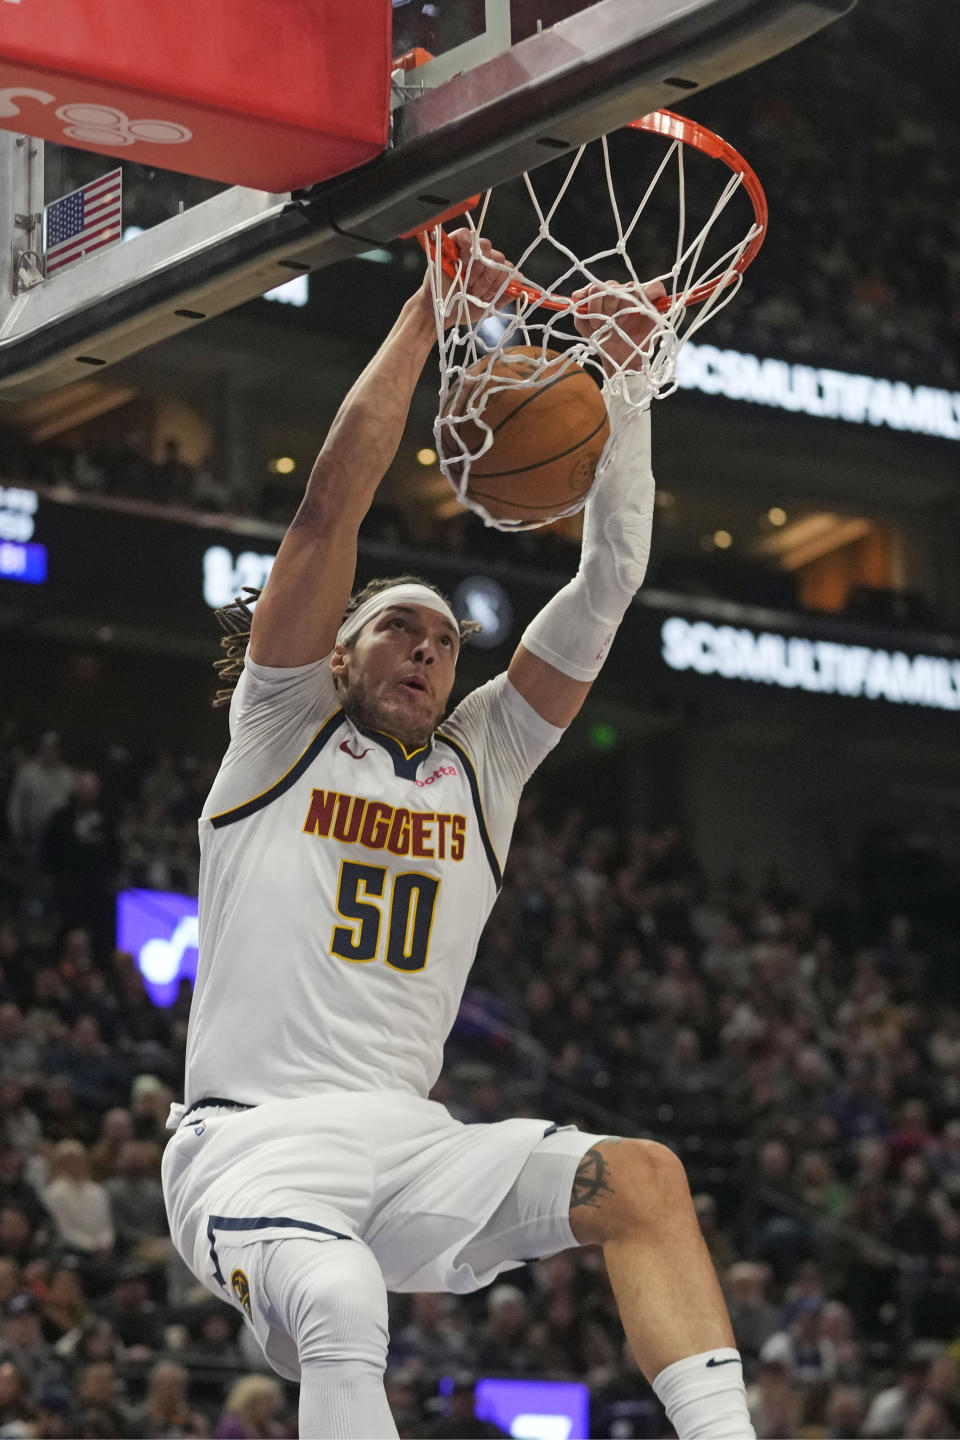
{"x":474,"y":335}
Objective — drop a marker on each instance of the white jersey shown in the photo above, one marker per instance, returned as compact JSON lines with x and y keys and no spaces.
{"x":344,"y":883}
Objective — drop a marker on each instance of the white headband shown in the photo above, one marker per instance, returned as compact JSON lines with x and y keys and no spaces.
{"x":409,"y":594}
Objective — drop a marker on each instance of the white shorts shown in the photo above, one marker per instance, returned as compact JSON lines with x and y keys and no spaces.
{"x":431,"y":1197}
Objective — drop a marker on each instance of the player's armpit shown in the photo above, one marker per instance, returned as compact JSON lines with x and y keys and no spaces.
{"x":555,"y":697}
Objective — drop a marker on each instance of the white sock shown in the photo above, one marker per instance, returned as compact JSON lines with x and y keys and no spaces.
{"x":344,"y":1402}
{"x":704,"y":1397}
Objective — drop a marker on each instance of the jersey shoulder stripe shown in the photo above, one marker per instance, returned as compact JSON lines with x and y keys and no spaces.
{"x":281,"y":786}
{"x":470,"y":771}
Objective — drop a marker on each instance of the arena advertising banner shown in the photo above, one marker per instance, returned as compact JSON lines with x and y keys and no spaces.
{"x":823,"y":393}
{"x":535,"y":1409}
{"x":817,"y":666}
{"x":131,"y":569}
{"x":159,"y":928}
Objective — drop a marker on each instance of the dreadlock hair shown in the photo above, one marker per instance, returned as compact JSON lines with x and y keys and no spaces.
{"x":236,"y":619}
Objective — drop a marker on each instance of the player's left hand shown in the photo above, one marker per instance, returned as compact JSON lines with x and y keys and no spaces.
{"x":484,"y":274}
{"x":625,"y":345}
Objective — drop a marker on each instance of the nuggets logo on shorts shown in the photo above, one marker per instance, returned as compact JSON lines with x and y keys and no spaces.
{"x":240,"y":1286}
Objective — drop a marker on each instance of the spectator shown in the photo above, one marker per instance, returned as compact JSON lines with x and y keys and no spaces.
{"x":136,"y":1203}
{"x":116,"y":1128}
{"x":40,"y":787}
{"x":753,"y":1318}
{"x":16,"y":1401}
{"x":926,"y":1224}
{"x":98,"y":1341}
{"x":55,"y":1416}
{"x":174,"y":475}
{"x":79,"y":1206}
{"x":431,"y":1340}
{"x":888,"y":1412}
{"x":806,"y":1355}
{"x":64,"y":1312}
{"x":818,"y":1186}
{"x":20,"y":1238}
{"x":99,"y":1390}
{"x":213,"y":1331}
{"x":773,"y":1403}
{"x":251,"y":1409}
{"x":928,"y":1420}
{"x":460,"y":1421}
{"x":79,"y":851}
{"x":61,"y":1117}
{"x":85,"y":1060}
{"x":505,"y":1344}
{"x":133,"y":1317}
{"x":22,"y":1342}
{"x":18,"y":1178}
{"x":717,"y":1240}
{"x":10,"y":1280}
{"x":568,"y":1342}
{"x":19,"y":1051}
{"x":844,"y":1412}
{"x":166,"y":1413}
{"x":20,"y":1126}
{"x":210,"y":490}
{"x":943,"y":1157}
{"x":89,"y":477}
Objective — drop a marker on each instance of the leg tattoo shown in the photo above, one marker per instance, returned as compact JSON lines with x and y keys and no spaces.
{"x":591,"y":1180}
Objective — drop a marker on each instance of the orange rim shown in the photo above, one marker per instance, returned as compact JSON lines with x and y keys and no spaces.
{"x":672,"y":127}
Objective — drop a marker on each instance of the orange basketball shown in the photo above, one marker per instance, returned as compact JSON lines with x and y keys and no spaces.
{"x":547,"y":435}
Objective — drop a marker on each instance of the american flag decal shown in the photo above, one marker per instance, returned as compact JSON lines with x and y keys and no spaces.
{"x":83,"y":222}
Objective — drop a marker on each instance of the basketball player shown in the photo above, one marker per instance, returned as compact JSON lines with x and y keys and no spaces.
{"x":352,"y":847}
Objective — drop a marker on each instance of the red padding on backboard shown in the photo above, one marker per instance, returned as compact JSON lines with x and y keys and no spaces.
{"x":273,"y":94}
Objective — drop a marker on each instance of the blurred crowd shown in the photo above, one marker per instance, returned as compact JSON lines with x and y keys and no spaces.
{"x":860,"y":267}
{"x":122,"y":471}
{"x":807,"y":1070}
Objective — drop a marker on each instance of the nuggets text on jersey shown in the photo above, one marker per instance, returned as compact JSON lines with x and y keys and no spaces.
{"x":354,"y":820}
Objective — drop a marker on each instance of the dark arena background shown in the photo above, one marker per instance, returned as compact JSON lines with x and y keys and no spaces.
{"x":730,"y":913}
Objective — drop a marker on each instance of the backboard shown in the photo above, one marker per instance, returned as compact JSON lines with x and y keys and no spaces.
{"x":511,"y":84}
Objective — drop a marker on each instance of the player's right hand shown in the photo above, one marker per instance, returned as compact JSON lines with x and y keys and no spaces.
{"x":484,"y":273}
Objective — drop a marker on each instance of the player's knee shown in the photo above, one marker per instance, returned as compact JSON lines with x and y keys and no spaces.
{"x":626,"y":1187}
{"x":654,"y":1184}
{"x":342,"y":1307}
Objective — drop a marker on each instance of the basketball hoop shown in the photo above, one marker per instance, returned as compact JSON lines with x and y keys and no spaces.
{"x":523,"y":313}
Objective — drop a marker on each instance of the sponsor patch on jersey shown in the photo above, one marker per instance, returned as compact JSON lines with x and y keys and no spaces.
{"x":438,"y":774}
{"x":199,"y":1129}
{"x":240,"y":1286}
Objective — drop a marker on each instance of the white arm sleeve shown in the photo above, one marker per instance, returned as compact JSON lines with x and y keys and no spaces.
{"x":274,"y":714}
{"x":506,"y":740}
{"x":574,"y":630}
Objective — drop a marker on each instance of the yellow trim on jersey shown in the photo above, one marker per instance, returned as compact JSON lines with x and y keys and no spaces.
{"x":412,"y":917}
{"x":367,"y":900}
{"x":254,"y":798}
{"x":458,"y":745}
{"x":407,"y":754}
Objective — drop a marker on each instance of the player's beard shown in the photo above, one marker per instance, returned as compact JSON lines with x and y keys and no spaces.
{"x":366,"y":709}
